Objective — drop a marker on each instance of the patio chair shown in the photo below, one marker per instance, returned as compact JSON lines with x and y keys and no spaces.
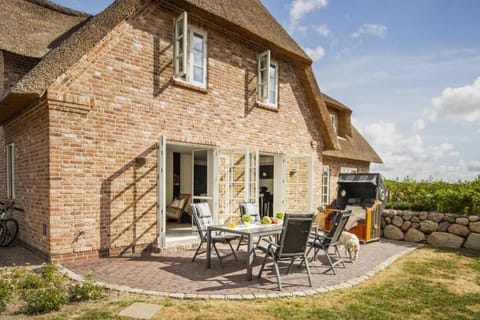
{"x":177,"y":207}
{"x":251,"y":209}
{"x":330,"y":240}
{"x":202,"y":217}
{"x":292,"y":244}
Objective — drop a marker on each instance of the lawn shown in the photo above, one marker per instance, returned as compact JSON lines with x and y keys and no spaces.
{"x":424,"y":284}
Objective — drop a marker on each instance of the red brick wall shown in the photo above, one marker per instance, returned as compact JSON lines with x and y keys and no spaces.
{"x":112,"y":106}
{"x":335,"y":164}
{"x":29,"y":133}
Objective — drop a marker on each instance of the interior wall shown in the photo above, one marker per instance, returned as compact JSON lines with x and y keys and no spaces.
{"x":169,"y":176}
{"x":186,"y":176}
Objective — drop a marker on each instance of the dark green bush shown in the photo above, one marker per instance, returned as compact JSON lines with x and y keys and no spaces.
{"x":430,"y":195}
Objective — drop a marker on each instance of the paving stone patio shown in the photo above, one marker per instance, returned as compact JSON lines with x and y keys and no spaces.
{"x":174,"y":274}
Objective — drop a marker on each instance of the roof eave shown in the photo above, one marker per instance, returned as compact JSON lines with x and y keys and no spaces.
{"x":13,"y":103}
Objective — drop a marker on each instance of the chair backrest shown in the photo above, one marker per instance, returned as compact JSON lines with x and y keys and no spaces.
{"x":202,"y":217}
{"x":295,"y":234}
{"x":339,"y":224}
{"x":251,"y":209}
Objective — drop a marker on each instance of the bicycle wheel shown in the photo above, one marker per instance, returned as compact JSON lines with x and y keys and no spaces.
{"x":11,"y":232}
{"x":3,"y":232}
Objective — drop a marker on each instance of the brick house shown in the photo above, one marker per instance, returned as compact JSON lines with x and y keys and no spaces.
{"x":105,"y":119}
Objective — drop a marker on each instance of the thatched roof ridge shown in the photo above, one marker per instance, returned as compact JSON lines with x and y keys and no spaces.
{"x":355,"y":147}
{"x":33,"y":27}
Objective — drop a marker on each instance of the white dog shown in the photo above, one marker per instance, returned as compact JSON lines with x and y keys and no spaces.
{"x":350,"y":244}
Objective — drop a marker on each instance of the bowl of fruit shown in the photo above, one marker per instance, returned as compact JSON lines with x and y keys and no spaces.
{"x":266,"y":220}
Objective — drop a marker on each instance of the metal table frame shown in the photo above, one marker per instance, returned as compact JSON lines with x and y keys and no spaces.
{"x":250,"y":232}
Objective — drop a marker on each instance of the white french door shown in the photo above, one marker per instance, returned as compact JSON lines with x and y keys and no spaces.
{"x":161,"y":192}
{"x":236,"y":177}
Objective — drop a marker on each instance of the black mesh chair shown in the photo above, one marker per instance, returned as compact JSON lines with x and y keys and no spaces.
{"x":330,"y":240}
{"x":202,"y":218}
{"x":292,"y":244}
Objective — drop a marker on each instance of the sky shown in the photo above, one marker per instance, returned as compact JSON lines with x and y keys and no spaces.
{"x":408,"y":69}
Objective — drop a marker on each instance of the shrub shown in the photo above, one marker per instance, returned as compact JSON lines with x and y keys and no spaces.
{"x":86,"y":290}
{"x":44,"y":299}
{"x":5,"y":293}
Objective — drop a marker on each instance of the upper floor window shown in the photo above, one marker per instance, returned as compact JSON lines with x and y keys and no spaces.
{"x":267,"y":79}
{"x":333,"y":119}
{"x":189,"y":52}
{"x":10,"y":171}
{"x":348,"y":170}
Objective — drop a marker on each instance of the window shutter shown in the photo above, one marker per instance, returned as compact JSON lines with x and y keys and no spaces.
{"x":180,"y":45}
{"x":263,"y":75}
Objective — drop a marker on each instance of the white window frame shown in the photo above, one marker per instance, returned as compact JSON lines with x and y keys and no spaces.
{"x":10,"y":171}
{"x":325,"y":186}
{"x":348,"y":170}
{"x":263,"y":82}
{"x":183,"y":51}
{"x":333,"y":119}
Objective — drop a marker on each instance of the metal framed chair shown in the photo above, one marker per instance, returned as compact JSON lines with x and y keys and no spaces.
{"x":292,"y":244}
{"x":202,"y":217}
{"x":251,"y":209}
{"x":330,"y":240}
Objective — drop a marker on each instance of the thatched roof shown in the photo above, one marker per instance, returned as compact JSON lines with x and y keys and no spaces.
{"x":246,"y":17}
{"x":335,"y":103}
{"x":354,"y":147}
{"x":33,"y":27}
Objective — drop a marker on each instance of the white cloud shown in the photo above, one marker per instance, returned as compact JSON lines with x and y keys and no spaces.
{"x":324,"y":30}
{"x":458,"y":104}
{"x":316,"y":53}
{"x":300,"y":8}
{"x":407,"y":155}
{"x":376,"y":30}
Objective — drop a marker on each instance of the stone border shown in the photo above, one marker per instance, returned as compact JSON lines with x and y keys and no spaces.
{"x":283,"y":294}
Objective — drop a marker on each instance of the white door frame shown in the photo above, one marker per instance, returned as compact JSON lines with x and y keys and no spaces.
{"x":161,"y":193}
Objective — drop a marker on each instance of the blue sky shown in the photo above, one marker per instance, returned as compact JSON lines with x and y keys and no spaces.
{"x":409,"y":70}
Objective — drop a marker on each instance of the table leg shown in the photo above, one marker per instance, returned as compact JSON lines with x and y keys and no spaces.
{"x":209,"y":246}
{"x":251,"y":255}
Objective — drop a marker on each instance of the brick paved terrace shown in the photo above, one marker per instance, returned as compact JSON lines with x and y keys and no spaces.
{"x":174,"y":274}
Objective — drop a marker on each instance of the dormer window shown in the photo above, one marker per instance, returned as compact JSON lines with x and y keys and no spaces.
{"x":333,"y":119}
{"x":189,"y":52}
{"x":267,"y":88}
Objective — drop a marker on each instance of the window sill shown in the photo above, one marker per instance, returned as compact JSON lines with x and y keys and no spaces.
{"x":267,"y":106}
{"x":188,"y":85}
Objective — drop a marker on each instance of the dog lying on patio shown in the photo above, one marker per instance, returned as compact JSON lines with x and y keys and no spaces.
{"x":350,"y":244}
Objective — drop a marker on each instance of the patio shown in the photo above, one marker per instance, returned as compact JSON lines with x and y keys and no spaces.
{"x":173,"y":274}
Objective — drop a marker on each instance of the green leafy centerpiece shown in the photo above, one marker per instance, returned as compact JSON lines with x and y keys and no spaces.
{"x":246,"y":219}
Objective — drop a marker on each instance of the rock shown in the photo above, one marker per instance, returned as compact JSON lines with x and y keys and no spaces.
{"x":459,"y":230}
{"x":428,"y":226}
{"x":393,"y":232}
{"x":406,"y":225}
{"x":383,"y":223}
{"x":475,"y":227}
{"x":397,"y":221}
{"x":414,"y":235}
{"x":463,"y":221}
{"x":450,"y":217}
{"x":423,"y":215}
{"x":445,"y":240}
{"x":415,"y":219}
{"x":473,"y":241}
{"x":388,"y":220}
{"x":390,"y":214}
{"x":443,"y":226}
{"x":436,"y":216}
{"x":407,"y":215}
{"x":474,"y":218}
{"x":415,"y":225}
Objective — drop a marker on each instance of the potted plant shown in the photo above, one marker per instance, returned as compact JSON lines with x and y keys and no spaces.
{"x":279,"y":215}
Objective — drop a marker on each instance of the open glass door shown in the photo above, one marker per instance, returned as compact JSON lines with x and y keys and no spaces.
{"x":161,"y":193}
{"x":237,"y":180}
{"x":202,"y":180}
{"x":298,"y":184}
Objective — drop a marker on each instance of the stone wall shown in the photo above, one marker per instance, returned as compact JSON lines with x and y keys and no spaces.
{"x":438,"y":229}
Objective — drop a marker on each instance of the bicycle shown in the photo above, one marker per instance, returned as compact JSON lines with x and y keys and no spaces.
{"x":8,"y":225}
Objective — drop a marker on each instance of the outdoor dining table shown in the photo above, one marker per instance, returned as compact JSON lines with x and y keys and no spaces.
{"x":249,"y":231}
